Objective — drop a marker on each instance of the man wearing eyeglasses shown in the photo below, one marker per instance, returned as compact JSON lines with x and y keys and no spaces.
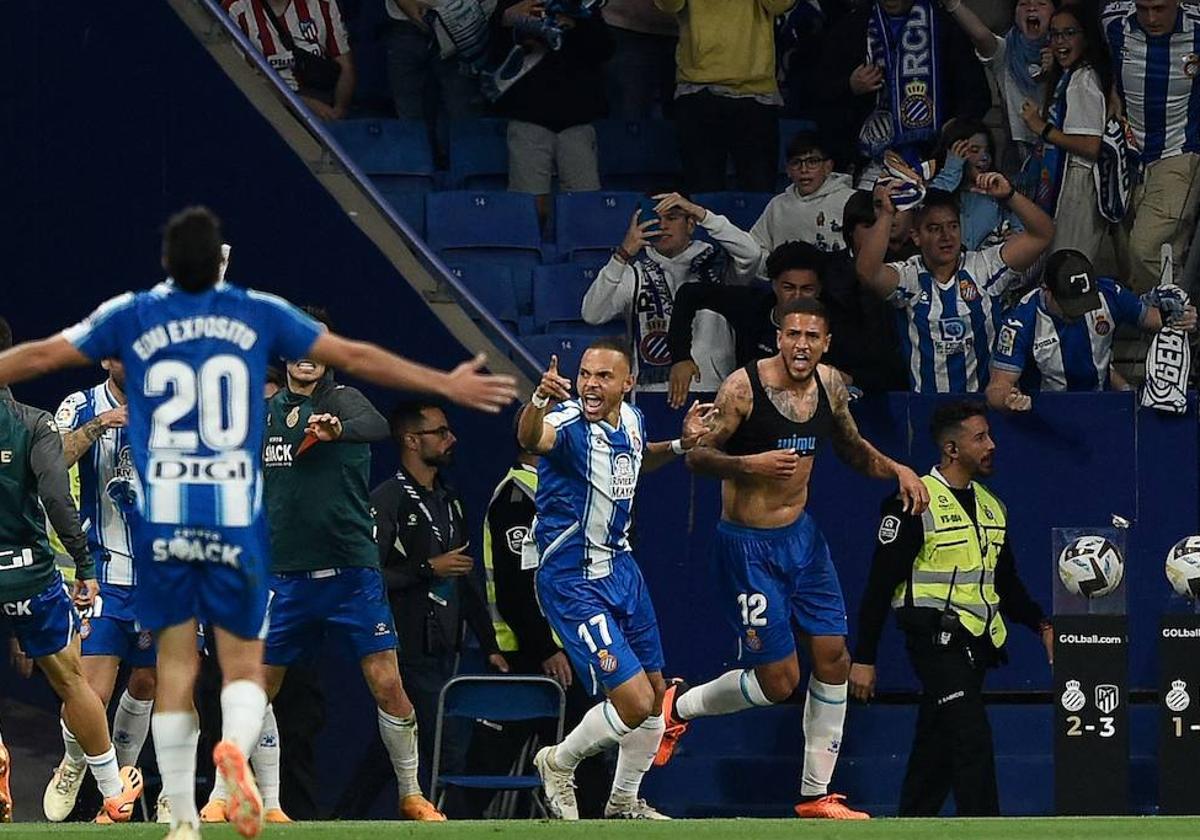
{"x":422,"y":534}
{"x":810,"y":209}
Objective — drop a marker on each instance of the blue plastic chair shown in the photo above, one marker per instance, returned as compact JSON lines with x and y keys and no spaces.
{"x":568,"y":348}
{"x":409,"y":204}
{"x":741,"y":208}
{"x":558,"y":292}
{"x":496,"y":698}
{"x":472,"y":225}
{"x":493,"y":286}
{"x":395,"y":152}
{"x":479,"y":154}
{"x":638,"y":154}
{"x":589,"y":225}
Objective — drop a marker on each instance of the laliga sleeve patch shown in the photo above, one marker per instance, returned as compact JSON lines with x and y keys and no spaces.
{"x":514,"y":537}
{"x":1006,"y":341}
{"x":889,"y":529}
{"x":69,"y":410}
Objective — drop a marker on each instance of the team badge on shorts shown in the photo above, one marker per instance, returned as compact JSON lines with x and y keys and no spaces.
{"x":85,"y":628}
{"x":145,"y":640}
{"x":608,"y":662}
{"x":753,"y":640}
{"x":292,"y":418}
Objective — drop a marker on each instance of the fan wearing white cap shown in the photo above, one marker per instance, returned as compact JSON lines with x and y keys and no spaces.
{"x":1059,"y":337}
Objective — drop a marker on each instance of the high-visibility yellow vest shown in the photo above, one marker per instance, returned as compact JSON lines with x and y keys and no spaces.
{"x":526,"y":480}
{"x":963,"y":552}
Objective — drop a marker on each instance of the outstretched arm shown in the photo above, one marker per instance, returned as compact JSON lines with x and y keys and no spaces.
{"x":533,"y":432}
{"x":982,"y":38}
{"x":695,"y":426}
{"x":873,"y":273}
{"x":32,"y":359}
{"x":1021,"y":250}
{"x":855,"y":451}
{"x":466,"y":385}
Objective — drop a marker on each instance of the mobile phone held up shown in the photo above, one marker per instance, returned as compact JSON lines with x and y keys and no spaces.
{"x":647,"y":213}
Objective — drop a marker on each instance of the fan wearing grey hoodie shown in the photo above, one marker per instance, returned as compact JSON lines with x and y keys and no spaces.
{"x":810,"y":209}
{"x":639,"y":282}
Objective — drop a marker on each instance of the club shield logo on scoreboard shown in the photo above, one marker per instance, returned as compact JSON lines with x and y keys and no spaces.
{"x":1073,"y":699}
{"x":1178,"y":698}
{"x":1108,"y":697}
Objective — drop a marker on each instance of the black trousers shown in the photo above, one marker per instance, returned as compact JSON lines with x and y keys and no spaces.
{"x":952,"y":747}
{"x":713,"y":128}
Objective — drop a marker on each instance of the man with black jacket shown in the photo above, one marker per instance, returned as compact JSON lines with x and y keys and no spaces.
{"x":951,"y":575}
{"x":863,"y":348}
{"x":421,"y":534}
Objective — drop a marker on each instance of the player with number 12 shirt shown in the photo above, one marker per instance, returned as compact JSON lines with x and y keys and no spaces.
{"x":195,"y":350}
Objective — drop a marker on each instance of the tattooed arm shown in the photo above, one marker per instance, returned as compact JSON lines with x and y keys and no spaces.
{"x":78,"y":441}
{"x":856,"y":452}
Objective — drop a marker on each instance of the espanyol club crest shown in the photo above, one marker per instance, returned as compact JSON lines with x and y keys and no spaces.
{"x":608,"y":662}
{"x":1102,"y":326}
{"x":85,"y":628}
{"x":654,"y":348}
{"x":916,"y":109}
{"x":145,"y":640}
{"x":1178,"y":698}
{"x":1191,"y":65}
{"x":753,"y":640}
{"x":1073,"y":699}
{"x":967,"y":290}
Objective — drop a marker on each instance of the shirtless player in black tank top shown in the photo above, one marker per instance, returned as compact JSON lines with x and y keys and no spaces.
{"x":772,"y":563}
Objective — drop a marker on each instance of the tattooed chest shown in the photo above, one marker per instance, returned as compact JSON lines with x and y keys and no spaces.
{"x":799,"y":408}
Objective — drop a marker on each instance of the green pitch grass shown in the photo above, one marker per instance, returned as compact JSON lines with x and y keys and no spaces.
{"x":1095,"y":828}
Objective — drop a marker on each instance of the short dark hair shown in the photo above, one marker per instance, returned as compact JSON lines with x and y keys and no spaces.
{"x":6,"y":340}
{"x":317,"y":313}
{"x":795,"y":256}
{"x":963,"y":129}
{"x":406,"y":416}
{"x":805,"y":141}
{"x":935,"y":199}
{"x":859,"y":211}
{"x":618,"y":345}
{"x":949,"y":417}
{"x":192,"y":248}
{"x":275,"y":376}
{"x":805,"y":306}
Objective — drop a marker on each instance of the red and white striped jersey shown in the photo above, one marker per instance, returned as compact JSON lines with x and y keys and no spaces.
{"x":315,"y":26}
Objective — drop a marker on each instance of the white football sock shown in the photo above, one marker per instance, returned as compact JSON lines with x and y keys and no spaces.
{"x":175,"y":738}
{"x":108,"y":774}
{"x":824,"y":714}
{"x":243,"y":706}
{"x":400,"y":739}
{"x":131,"y":725}
{"x":635,"y":755}
{"x":219,"y":791}
{"x":74,"y":753}
{"x":733,"y":691}
{"x":266,"y":760}
{"x":600,"y":728}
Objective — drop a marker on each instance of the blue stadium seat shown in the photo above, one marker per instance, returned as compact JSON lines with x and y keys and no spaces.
{"x":395,"y":152}
{"x":492,"y":285}
{"x":568,"y":348}
{"x":475,"y":225}
{"x":637,"y":154}
{"x":479,"y":154}
{"x":558,"y":291}
{"x":741,"y":208}
{"x":589,"y":225}
{"x":409,"y":204}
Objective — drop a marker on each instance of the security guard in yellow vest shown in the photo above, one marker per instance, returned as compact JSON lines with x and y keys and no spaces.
{"x":522,"y":632}
{"x":951,"y":576}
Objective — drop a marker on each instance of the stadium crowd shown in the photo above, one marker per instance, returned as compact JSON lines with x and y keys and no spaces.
{"x":955,"y":248}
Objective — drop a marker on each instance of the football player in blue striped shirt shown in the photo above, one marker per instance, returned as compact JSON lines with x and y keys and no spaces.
{"x":1059,"y":337}
{"x":947,"y":300}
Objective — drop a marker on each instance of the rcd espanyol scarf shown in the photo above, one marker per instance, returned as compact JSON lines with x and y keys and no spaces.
{"x":911,"y":111}
{"x":653,"y":303}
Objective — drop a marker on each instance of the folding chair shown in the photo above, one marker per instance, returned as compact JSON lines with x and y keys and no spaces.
{"x":497,"y":698}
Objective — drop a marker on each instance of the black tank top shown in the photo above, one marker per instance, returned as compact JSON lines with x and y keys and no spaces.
{"x":766,"y":429}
